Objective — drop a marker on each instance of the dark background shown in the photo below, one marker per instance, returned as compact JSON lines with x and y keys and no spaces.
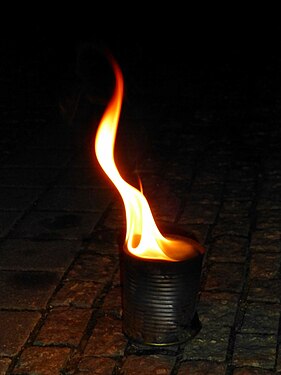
{"x":233,"y":54}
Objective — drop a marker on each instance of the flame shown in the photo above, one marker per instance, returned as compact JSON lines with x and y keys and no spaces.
{"x":143,"y":238}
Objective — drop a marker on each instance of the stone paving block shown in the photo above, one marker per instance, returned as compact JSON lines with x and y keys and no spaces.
{"x":268,"y":202}
{"x":7,"y":220}
{"x":27,"y":289}
{"x":272,"y":166}
{"x":217,"y":308}
{"x":177,"y":187}
{"x":243,"y":173}
{"x":278,"y":362}
{"x":96,"y":366}
{"x":60,"y":138}
{"x":208,"y":176}
{"x":241,"y":189}
{"x":107,"y":338}
{"x":104,"y":241}
{"x":225,"y":277}
{"x":116,"y":279}
{"x":149,"y":165}
{"x":27,"y":177}
{"x":266,"y":241}
{"x":149,"y":365}
{"x":210,"y":344}
{"x":37,"y":255}
{"x":113,"y":301}
{"x":268,"y":219}
{"x":255,"y":350}
{"x":164,"y":208}
{"x":234,"y":206}
{"x":21,"y":322}
{"x":209,"y":192}
{"x":77,"y":293}
{"x":38,"y":158}
{"x":265,"y":266}
{"x":196,"y":196}
{"x":116,"y":219}
{"x":228,"y":248}
{"x":18,"y":198}
{"x":89,"y":267}
{"x":82,"y":177}
{"x":179,"y":167}
{"x":4,"y":365}
{"x":217,"y":155}
{"x":63,"y":326}
{"x":231,"y":224}
{"x":271,"y":195}
{"x":70,"y":199}
{"x":84,"y":159}
{"x":261,"y":318}
{"x":199,"y":214}
{"x":55,"y":225}
{"x":251,"y":371}
{"x":264,"y":290}
{"x":201,"y":367}
{"x":43,"y":361}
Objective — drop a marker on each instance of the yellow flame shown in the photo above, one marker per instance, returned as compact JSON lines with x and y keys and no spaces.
{"x":143,"y":237}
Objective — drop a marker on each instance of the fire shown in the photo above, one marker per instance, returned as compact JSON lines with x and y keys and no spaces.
{"x":143,"y":238}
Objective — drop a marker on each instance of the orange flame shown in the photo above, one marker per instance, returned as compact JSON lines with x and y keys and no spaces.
{"x":143,"y":238}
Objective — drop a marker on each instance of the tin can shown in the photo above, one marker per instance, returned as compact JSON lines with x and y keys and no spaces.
{"x":159,"y":299}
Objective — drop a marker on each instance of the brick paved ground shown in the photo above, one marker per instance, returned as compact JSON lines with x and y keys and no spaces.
{"x":213,"y":169}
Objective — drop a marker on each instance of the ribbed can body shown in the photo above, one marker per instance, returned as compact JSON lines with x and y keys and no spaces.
{"x":159,"y":299}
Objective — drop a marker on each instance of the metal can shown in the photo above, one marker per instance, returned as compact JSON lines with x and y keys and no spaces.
{"x":159,"y":299}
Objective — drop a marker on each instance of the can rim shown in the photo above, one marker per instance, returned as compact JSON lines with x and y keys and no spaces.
{"x":166,"y":261}
{"x":193,"y":330}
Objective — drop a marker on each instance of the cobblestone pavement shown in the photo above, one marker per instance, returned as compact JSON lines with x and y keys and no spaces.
{"x":209,"y":163}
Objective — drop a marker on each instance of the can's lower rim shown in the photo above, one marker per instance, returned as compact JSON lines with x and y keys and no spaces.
{"x":192,"y":331}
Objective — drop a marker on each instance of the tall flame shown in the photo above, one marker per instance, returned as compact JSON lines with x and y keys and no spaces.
{"x":143,"y":237}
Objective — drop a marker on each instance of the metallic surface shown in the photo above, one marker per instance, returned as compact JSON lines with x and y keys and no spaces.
{"x":159,"y":299}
